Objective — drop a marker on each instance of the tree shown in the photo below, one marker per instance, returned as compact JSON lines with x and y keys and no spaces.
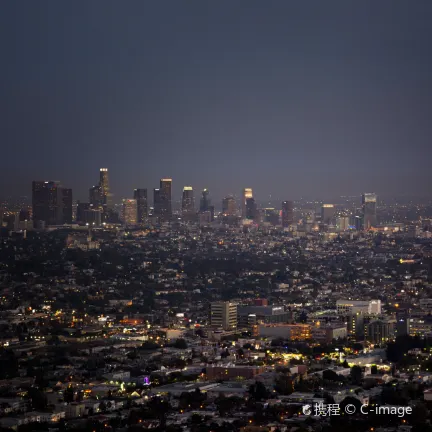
{"x":160,"y":409}
{"x":258,"y":391}
{"x":69,"y":394}
{"x":38,"y":399}
{"x":302,"y":318}
{"x":330,"y":375}
{"x":420,"y":414}
{"x":180,"y":344}
{"x":350,"y":400}
{"x":149,"y":345}
{"x":284,"y":384}
{"x":196,"y":419}
{"x":356,"y":374}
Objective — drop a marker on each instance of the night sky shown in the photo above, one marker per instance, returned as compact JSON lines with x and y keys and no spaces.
{"x":291,"y":98}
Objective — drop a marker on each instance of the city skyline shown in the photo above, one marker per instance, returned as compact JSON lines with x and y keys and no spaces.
{"x":288,"y":99}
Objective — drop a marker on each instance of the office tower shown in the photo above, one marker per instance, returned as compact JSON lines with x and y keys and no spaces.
{"x":157,"y":202}
{"x":327,"y":213}
{"x":80,"y":213}
{"x":369,"y":207}
{"x":224,"y":315}
{"x":205,"y":201}
{"x":165,"y":199}
{"x":67,"y":205}
{"x":95,"y":196}
{"x":287,"y":213}
{"x":342,"y":223}
{"x":402,"y":323}
{"x":188,"y":205}
{"x":205,"y":218}
{"x":47,"y":203}
{"x":271,"y":216}
{"x":93,"y":216}
{"x":130,"y":212}
{"x":246,"y":194}
{"x":140,"y":195}
{"x":104,"y":187}
{"x":251,"y":209}
{"x":229,"y":207}
{"x":380,"y":330}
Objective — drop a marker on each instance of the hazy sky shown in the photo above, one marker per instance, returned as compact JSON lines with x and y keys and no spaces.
{"x":293,"y":98}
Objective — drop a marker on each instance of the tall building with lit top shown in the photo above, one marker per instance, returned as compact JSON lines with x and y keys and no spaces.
{"x":165,"y":199}
{"x":246,"y":194}
{"x":205,"y":201}
{"x":130,"y":212}
{"x":157,"y":203}
{"x":369,"y":209}
{"x":104,"y":187}
{"x":229,"y":206}
{"x":287,"y":214}
{"x":327,"y":213}
{"x":188,"y":204}
{"x":140,"y":195}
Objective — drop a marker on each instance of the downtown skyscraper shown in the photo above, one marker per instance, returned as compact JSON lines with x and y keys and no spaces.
{"x":246,"y":194}
{"x":130,"y":213}
{"x":205,"y":201}
{"x":369,"y":210}
{"x":188,"y":202}
{"x":52,"y":204}
{"x":104,"y":188}
{"x":229,"y":206}
{"x":287,"y":214}
{"x":165,"y":209}
{"x":140,"y":195}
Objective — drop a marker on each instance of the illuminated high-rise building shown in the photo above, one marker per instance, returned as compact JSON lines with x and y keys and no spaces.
{"x":205,"y":204}
{"x":369,"y":207}
{"x":140,"y":195}
{"x":157,"y":203}
{"x":205,"y":201}
{"x":188,"y":204}
{"x":223,"y":315}
{"x":93,"y":216}
{"x":47,"y":203}
{"x":104,"y":187}
{"x":327,"y":213}
{"x":229,"y":206}
{"x":343,"y":223}
{"x":246,"y":194}
{"x":165,"y":199}
{"x":130,"y":212}
{"x":287,"y":213}
{"x":95,"y":196}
